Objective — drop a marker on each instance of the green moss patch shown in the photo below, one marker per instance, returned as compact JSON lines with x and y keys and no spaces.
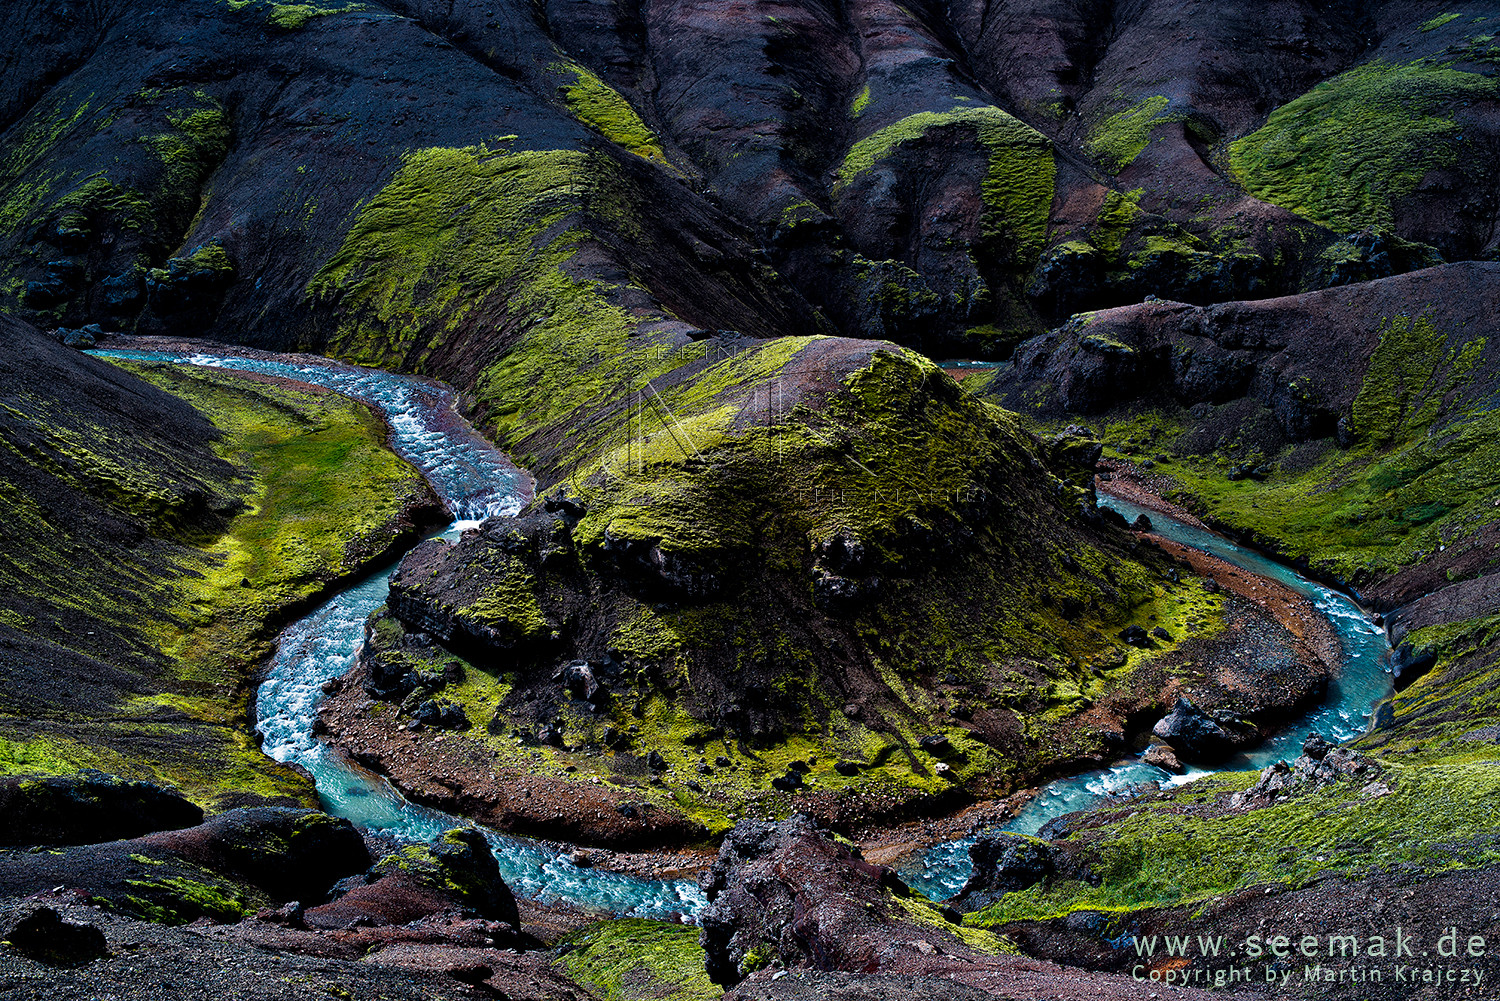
{"x":1018,"y":186}
{"x":635,"y":960}
{"x":1120,"y":138}
{"x":1343,"y":153}
{"x":600,"y":106}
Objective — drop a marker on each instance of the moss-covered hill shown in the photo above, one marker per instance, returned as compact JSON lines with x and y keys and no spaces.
{"x":155,"y":537}
{"x":1352,"y":429}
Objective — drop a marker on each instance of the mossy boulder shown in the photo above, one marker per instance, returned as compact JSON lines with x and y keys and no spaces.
{"x":459,"y":863}
{"x":289,"y":854}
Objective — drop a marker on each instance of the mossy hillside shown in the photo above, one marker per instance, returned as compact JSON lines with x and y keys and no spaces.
{"x":1018,"y":185}
{"x":1346,"y":152}
{"x":170,"y":614}
{"x":462,"y":232}
{"x":1121,"y":137}
{"x":703,"y":680}
{"x":601,"y":107}
{"x":1189,"y":848}
{"x":1126,"y":253}
{"x":1455,"y":706}
{"x":1420,"y":474}
{"x":114,"y":221}
{"x":326,"y":496}
{"x":634,"y":960}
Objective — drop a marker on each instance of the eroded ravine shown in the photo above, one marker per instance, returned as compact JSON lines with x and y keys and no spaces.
{"x":477,"y":481}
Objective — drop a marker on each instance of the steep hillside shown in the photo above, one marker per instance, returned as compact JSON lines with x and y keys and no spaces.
{"x":154,"y":542}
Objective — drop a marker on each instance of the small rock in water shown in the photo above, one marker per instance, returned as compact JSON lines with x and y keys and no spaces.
{"x":1163,"y":757}
{"x":1142,"y":523}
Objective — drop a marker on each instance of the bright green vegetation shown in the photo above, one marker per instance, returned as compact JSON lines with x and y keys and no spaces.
{"x":455,"y":227}
{"x":293,"y":16}
{"x":53,"y":755}
{"x":1018,"y":186}
{"x":1439,"y":21}
{"x":308,"y":495}
{"x":1346,"y":151}
{"x":1456,"y":704}
{"x":321,"y":479}
{"x":860,"y":103}
{"x":178,"y":900}
{"x":1188,"y":849}
{"x":635,"y":960}
{"x":1120,"y":138}
{"x":1424,"y":470}
{"x":600,"y":106}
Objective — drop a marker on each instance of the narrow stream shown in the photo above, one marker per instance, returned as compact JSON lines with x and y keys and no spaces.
{"x":476,"y":481}
{"x":1364,"y":680}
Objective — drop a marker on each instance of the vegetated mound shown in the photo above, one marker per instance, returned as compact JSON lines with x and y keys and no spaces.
{"x":812,"y":571}
{"x":148,"y":558}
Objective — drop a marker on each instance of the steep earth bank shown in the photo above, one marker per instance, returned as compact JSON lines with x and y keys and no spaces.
{"x":161,"y":527}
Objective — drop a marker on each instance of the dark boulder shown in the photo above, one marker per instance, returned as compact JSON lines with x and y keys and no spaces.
{"x":791,"y":894}
{"x":455,"y":873}
{"x":45,"y":936}
{"x":1003,"y":863}
{"x":1315,"y":747}
{"x":1135,"y":636}
{"x":291,"y":854}
{"x":1197,"y":736}
{"x":87,"y":808}
{"x":442,"y":715}
{"x":579,"y":679}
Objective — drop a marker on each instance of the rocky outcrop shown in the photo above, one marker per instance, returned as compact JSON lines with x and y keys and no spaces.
{"x":456,"y":873}
{"x":1201,"y":737}
{"x":1320,"y":764}
{"x":41,"y":934}
{"x":793,"y":911}
{"x":1003,"y":863}
{"x":87,"y":808}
